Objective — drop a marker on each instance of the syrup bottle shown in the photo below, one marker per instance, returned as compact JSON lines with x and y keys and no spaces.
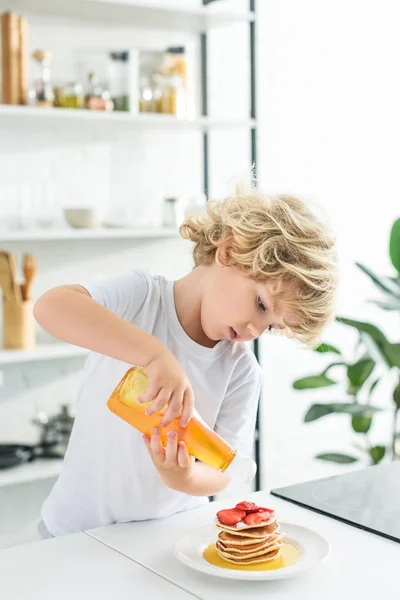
{"x":201,"y":442}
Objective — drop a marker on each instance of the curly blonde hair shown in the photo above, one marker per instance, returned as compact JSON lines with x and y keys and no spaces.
{"x":275,"y":240}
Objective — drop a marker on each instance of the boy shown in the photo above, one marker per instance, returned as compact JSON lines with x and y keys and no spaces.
{"x":260,"y":264}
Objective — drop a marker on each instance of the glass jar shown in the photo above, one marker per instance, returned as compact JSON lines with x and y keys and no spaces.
{"x":146,"y":96}
{"x":71,"y":96}
{"x":172,"y":214}
{"x":119,"y":80}
{"x":97,"y":97}
{"x":42,"y":93}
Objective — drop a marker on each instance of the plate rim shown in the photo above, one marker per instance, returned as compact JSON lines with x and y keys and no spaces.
{"x":292,"y":570}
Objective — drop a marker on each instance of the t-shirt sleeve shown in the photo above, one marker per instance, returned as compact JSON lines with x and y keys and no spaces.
{"x":237,"y":417}
{"x":123,"y":294}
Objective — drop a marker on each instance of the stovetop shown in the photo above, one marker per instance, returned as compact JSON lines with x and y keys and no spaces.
{"x":368,"y":498}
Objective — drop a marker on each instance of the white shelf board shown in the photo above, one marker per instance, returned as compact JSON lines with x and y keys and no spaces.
{"x":40,"y":468}
{"x":133,"y":13}
{"x":142,"y":120}
{"x":101,"y":233}
{"x":52,"y":351}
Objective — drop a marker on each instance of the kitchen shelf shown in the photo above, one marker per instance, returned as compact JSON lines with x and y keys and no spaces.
{"x":42,"y":352}
{"x":133,"y":13}
{"x":112,"y":233}
{"x":145,"y":121}
{"x":40,"y":468}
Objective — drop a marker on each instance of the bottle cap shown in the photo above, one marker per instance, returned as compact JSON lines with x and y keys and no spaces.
{"x":242,"y":469}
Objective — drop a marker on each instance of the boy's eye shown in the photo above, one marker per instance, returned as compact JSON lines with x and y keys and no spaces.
{"x":261,"y":305}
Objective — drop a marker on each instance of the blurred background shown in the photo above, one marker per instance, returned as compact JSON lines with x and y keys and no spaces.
{"x":121,"y":117}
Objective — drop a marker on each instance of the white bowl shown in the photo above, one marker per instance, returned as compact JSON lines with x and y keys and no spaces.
{"x":83,"y":218}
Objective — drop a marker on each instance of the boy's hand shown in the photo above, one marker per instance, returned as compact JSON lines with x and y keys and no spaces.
{"x":172,"y":462}
{"x":168,"y":385}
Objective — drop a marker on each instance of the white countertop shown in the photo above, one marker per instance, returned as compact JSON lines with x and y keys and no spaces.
{"x":132,"y":559}
{"x":77,"y":567}
{"x":40,"y":468}
{"x":360,"y":564}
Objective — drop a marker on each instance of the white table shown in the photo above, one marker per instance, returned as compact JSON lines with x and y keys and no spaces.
{"x":360,"y":565}
{"x":77,"y":567}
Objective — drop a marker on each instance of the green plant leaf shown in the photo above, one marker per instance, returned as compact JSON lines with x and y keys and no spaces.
{"x":373,"y":386}
{"x":390,"y":305}
{"x":361,"y":424}
{"x":394,"y":245}
{"x":337,"y":458}
{"x":379,"y":340}
{"x":377,"y":453}
{"x":396,"y":395}
{"x":360,"y":371}
{"x":386,"y":284}
{"x":316,"y":411}
{"x":313,"y":382}
{"x":325,"y":348}
{"x":393,"y":353}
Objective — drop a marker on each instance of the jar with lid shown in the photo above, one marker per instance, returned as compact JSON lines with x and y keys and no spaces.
{"x":172,"y":213}
{"x":42,"y":93}
{"x":119,"y":80}
{"x":176,"y":61}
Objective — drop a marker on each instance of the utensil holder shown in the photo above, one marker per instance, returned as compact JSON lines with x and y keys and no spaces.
{"x":19,"y":331}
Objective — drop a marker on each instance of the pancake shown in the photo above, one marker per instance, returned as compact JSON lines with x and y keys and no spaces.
{"x":251,"y":531}
{"x":262,"y":557}
{"x":244,"y":549}
{"x":241,"y":539}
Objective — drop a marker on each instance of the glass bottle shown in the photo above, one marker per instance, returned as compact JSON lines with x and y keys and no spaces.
{"x":42,"y":89}
{"x":201,"y":442}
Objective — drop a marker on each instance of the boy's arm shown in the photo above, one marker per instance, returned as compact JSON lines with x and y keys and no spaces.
{"x":204,"y":481}
{"x":70,"y":313}
{"x":179,"y":471}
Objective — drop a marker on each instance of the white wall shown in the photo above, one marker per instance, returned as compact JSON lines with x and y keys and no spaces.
{"x":329,"y":130}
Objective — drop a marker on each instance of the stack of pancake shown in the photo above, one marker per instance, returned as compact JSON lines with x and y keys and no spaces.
{"x":248,"y":544}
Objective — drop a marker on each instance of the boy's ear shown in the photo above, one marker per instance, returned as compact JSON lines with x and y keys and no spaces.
{"x":222,"y":256}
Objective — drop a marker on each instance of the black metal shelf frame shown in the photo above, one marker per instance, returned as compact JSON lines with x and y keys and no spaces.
{"x":253,"y":159}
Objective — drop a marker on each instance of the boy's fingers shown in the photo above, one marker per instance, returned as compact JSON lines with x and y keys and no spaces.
{"x":174,"y":408}
{"x":155,"y":445}
{"x":159,"y":402}
{"x":171,"y":449}
{"x":146,"y":439}
{"x":188,"y":405}
{"x":183,"y":455}
{"x":149,"y":395}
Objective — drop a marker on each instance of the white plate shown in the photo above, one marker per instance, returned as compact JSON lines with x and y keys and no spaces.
{"x":189,"y":548}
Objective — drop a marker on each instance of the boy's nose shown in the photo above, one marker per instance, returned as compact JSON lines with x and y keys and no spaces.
{"x":255,"y":330}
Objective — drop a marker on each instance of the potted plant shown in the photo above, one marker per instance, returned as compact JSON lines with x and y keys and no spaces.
{"x":374,"y":358}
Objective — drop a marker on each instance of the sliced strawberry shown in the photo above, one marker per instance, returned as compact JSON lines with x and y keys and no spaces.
{"x":262,"y":509}
{"x":249,"y":507}
{"x":257,"y":518}
{"x":231,"y":516}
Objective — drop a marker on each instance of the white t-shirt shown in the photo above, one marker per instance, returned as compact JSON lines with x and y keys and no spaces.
{"x":107,"y":475}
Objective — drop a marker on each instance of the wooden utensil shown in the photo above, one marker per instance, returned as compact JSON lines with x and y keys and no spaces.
{"x":13,"y":270}
{"x":8,"y":277}
{"x":29,"y":267}
{"x":5,"y":277}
